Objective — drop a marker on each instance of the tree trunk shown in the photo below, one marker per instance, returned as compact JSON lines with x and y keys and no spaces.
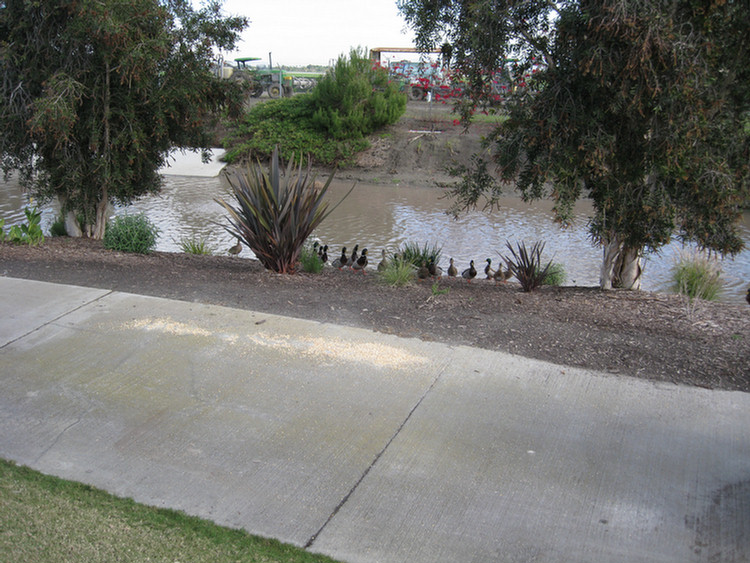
{"x":101,"y":217}
{"x":621,"y":266}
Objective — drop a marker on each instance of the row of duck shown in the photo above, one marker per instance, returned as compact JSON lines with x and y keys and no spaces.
{"x":428,"y":269}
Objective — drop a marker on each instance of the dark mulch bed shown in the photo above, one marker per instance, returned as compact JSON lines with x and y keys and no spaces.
{"x":640,"y":334}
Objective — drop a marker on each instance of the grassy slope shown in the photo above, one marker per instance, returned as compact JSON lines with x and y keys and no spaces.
{"x":50,"y":520}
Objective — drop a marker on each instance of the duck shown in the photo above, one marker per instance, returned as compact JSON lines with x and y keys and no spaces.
{"x":501,"y":276}
{"x":355,"y":256}
{"x":423,"y":272}
{"x":747,"y":297}
{"x":435,"y":270}
{"x":469,"y":273}
{"x":324,"y":254}
{"x":488,"y":271}
{"x":236,"y":249}
{"x":361,"y":262}
{"x":342,"y":260}
{"x":383,"y":264}
{"x":452,"y":271}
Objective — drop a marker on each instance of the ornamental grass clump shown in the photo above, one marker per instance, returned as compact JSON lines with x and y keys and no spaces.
{"x":526,"y":264}
{"x":276,"y":211}
{"x":310,"y":260}
{"x":398,"y":272}
{"x":416,"y":255}
{"x":197,"y":245}
{"x":131,"y":233}
{"x":696,"y":274}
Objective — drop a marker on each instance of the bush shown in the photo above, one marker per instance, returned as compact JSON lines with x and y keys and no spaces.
{"x":416,"y":255}
{"x":131,"y":233}
{"x":309,"y":260}
{"x":398,"y":272}
{"x":696,"y":274}
{"x":286,"y":123}
{"x":57,"y":229}
{"x":196,"y":245}
{"x":276,"y":213}
{"x":555,"y":275}
{"x":29,"y":232}
{"x":526,"y":265}
{"x":355,"y":98}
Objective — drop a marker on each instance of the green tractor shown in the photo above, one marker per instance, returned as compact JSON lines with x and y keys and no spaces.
{"x":271,"y":81}
{"x":274,"y":81}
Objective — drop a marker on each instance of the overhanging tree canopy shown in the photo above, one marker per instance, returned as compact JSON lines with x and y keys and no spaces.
{"x":641,"y":105}
{"x":95,"y":93}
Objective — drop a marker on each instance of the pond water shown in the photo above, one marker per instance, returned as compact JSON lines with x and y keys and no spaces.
{"x":385,"y":216}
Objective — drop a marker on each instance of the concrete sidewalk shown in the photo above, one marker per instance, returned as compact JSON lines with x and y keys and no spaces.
{"x":365,"y":446}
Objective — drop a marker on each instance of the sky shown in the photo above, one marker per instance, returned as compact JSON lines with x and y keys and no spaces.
{"x":302,"y":32}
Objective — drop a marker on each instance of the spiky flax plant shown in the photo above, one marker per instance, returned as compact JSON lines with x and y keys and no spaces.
{"x":276,"y":212}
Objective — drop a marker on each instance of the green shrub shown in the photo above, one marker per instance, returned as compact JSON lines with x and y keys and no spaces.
{"x":526,"y":265}
{"x":286,"y":123}
{"x":276,"y":213}
{"x":57,"y":229}
{"x":398,"y":272}
{"x":414,"y":254}
{"x":555,"y":275}
{"x":355,"y":98}
{"x":309,"y":260}
{"x":131,"y":233}
{"x":696,"y":274}
{"x":196,"y":245}
{"x":29,"y":232}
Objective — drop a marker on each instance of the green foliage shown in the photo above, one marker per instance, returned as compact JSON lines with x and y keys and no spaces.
{"x":95,"y":93}
{"x":416,"y":255}
{"x":77,"y":522}
{"x":309,"y":259}
{"x":329,"y":124}
{"x":355,"y":98}
{"x":131,"y":233}
{"x":57,"y":228}
{"x":398,"y":272}
{"x":476,"y":183}
{"x":526,"y":265}
{"x":29,"y":232}
{"x":196,"y":245}
{"x":286,"y":123}
{"x":555,"y":275}
{"x":697,"y":275}
{"x":275,"y":213}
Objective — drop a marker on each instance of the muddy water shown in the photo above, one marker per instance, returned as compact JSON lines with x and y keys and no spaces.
{"x":377,"y":217}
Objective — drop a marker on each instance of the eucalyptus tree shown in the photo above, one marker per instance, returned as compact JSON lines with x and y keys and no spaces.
{"x":96,"y":92}
{"x":640,"y":105}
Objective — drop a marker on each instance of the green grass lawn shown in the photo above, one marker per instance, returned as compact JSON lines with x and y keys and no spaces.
{"x":46,"y":519}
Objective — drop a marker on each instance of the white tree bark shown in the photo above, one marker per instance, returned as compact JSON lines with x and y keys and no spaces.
{"x":621,"y":266}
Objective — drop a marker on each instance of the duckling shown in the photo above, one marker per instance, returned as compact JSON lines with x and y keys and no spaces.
{"x":435,"y":270}
{"x":342,"y":260}
{"x":469,"y":273}
{"x":383,"y":264}
{"x":452,"y":271}
{"x":423,"y":272}
{"x":236,"y":249}
{"x":324,"y":254}
{"x":355,"y":256}
{"x":747,"y":297}
{"x":488,"y":271}
{"x":361,"y":262}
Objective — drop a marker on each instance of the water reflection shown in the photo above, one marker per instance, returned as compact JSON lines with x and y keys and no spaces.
{"x":377,"y":216}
